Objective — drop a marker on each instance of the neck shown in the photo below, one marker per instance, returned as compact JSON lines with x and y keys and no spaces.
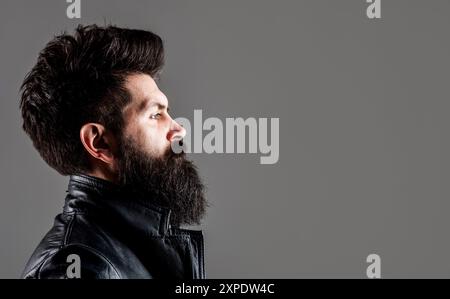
{"x":104,"y":175}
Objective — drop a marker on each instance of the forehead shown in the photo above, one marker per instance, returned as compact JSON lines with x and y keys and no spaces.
{"x":143,"y":90}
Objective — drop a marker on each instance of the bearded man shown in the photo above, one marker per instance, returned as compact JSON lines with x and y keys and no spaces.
{"x":94,"y":112}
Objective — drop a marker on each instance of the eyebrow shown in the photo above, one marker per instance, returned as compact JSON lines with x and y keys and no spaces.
{"x":147,"y":104}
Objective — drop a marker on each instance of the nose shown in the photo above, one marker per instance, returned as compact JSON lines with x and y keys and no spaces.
{"x":176,"y":132}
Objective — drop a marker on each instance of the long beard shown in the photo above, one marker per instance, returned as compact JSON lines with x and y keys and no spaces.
{"x":171,"y":181}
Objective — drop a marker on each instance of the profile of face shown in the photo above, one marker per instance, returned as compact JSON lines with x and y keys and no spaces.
{"x":147,"y":119}
{"x":141,"y":158}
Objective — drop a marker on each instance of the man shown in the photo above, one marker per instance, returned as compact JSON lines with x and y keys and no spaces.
{"x":94,"y":112}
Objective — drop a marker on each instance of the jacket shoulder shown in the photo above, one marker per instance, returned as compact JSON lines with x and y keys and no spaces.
{"x":75,"y":261}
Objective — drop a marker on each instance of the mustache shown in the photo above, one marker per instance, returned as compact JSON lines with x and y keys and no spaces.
{"x":170,"y":154}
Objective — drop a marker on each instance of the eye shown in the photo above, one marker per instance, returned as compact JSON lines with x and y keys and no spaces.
{"x":155,"y":116}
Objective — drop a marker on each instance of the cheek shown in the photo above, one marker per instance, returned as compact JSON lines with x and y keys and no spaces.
{"x":152,"y":139}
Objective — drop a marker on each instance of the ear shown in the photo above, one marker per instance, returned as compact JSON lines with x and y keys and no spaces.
{"x":98,"y":142}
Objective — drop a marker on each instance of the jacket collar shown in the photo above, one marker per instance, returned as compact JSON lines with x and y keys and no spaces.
{"x":117,"y":205}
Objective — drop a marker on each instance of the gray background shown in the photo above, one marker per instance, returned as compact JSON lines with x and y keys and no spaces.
{"x":363,"y":105}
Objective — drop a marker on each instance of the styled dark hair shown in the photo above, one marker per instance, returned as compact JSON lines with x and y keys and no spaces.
{"x":80,"y":79}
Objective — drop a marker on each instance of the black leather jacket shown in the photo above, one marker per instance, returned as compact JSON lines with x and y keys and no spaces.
{"x":115,"y":236}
